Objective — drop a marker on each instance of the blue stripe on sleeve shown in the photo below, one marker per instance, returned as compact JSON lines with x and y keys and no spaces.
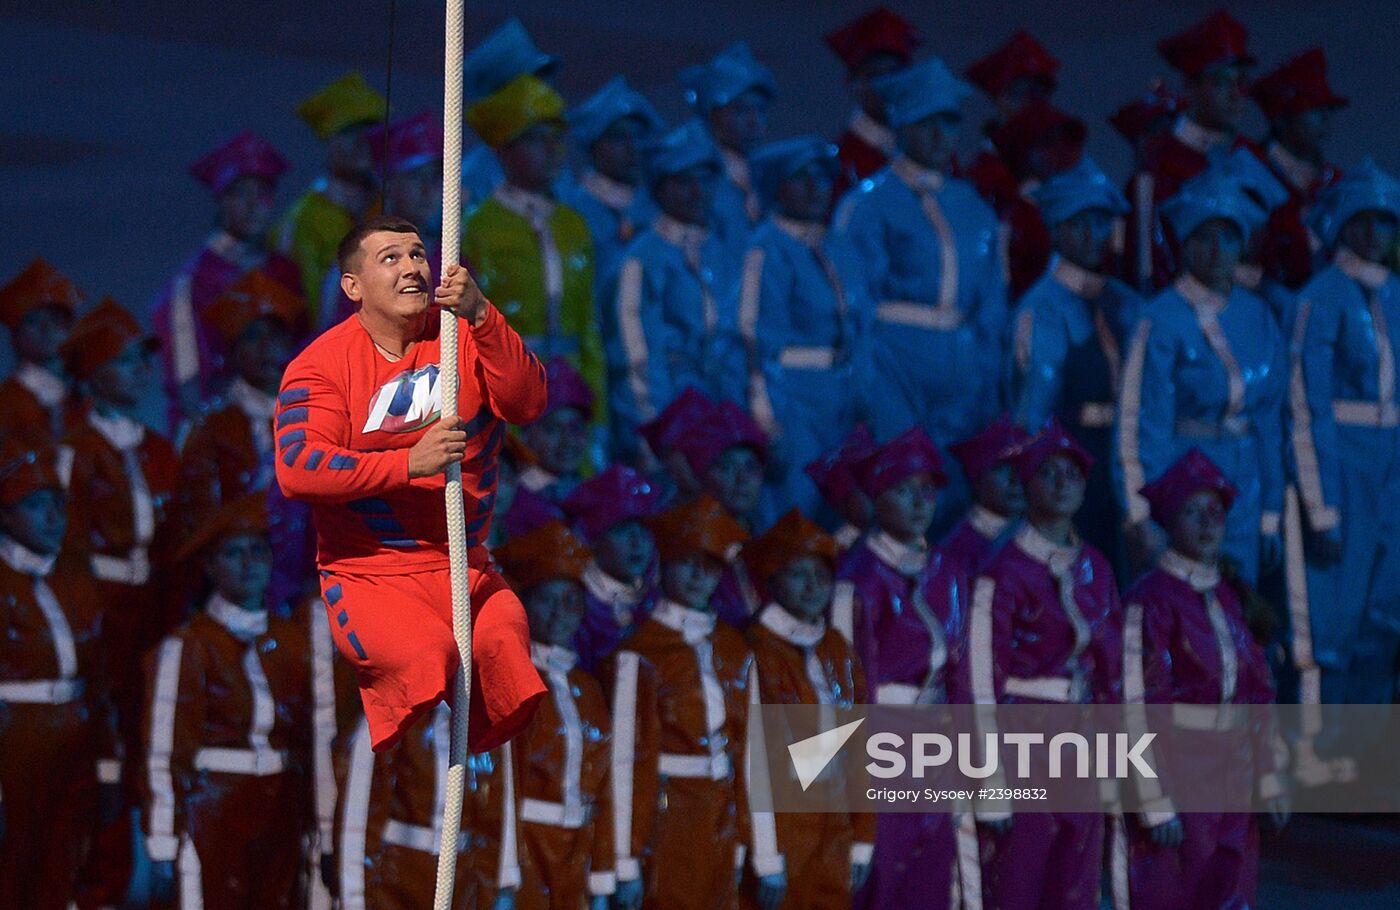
{"x":289,"y":457}
{"x":313,"y":461}
{"x":342,"y":462}
{"x":294,"y":396}
{"x":291,"y":416}
{"x":287,"y":439}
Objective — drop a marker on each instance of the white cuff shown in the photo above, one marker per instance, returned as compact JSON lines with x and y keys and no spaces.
{"x":1151,"y":819}
{"x":1270,"y":786}
{"x":601,"y":883}
{"x":629,"y":869}
{"x":109,"y":771}
{"x":1269,"y":523}
{"x":162,"y":848}
{"x":862,"y":853}
{"x":764,"y":866}
{"x":740,"y":853}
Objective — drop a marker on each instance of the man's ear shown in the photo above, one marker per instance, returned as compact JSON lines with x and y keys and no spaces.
{"x":350,"y":284}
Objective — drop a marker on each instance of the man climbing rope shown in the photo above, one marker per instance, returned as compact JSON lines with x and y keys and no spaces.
{"x":359,"y":436}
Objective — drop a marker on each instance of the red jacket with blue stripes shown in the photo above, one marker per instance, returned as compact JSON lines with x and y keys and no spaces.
{"x":347,"y":417}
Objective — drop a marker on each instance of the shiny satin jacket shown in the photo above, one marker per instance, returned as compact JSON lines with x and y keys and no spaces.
{"x":1209,"y":372}
{"x":1046,"y":625}
{"x":1069,"y":335}
{"x":220,"y":702}
{"x":615,"y":214}
{"x":970,"y":546}
{"x":1290,"y":252}
{"x":36,"y":407}
{"x":611,"y":611}
{"x":669,"y":321}
{"x":228,"y":454}
{"x":905,"y":613}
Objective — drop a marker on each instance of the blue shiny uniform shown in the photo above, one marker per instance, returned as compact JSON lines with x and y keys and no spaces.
{"x":1179,"y":391}
{"x":671,"y":323}
{"x":613,"y":226}
{"x":1346,"y":440}
{"x":937,"y":334}
{"x":1068,"y":337}
{"x":803,"y":331}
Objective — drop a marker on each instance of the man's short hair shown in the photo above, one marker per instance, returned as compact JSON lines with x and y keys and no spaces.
{"x":347,"y":255}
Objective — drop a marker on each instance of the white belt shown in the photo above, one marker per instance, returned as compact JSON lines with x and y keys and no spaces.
{"x":805,"y":357}
{"x":1233,"y":427}
{"x":557,"y":814}
{"x":919,"y":315}
{"x":1045,"y":688}
{"x":1366,"y":413}
{"x":133,"y":570}
{"x":896,"y":694}
{"x":259,"y":763}
{"x":704,"y":767}
{"x":41,"y":691}
{"x":1096,"y":415}
{"x":1208,"y":717}
{"x":419,"y":837}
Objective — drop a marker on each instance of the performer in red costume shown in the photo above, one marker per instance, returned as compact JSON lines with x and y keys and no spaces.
{"x":359,"y":437}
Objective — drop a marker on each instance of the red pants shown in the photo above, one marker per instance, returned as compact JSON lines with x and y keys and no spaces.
{"x":396,"y":631}
{"x":692,"y":867}
{"x":558,"y":871}
{"x":50,"y":790}
{"x":243,"y":850}
{"x":817,"y":852}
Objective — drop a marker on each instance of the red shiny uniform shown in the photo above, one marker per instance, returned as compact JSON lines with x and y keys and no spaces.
{"x":346,"y":420}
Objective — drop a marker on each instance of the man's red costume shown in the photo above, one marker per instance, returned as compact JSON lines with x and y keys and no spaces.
{"x":346,"y":420}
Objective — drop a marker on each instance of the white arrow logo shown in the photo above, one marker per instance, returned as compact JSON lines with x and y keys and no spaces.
{"x":810,"y":756}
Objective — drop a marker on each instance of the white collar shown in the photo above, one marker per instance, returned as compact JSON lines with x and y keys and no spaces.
{"x":873,"y":133}
{"x":906,"y":559}
{"x":791,"y":629}
{"x":694,"y":625}
{"x":1077,"y":279}
{"x":685,"y":236}
{"x":612,"y":193}
{"x":1199,"y":576}
{"x":847,"y":535}
{"x":736,"y":168}
{"x":917,"y":177}
{"x":1194,"y":136}
{"x":24,"y":560}
{"x":230,"y":249}
{"x":808,"y":233}
{"x":612,"y":590}
{"x":535,"y":478}
{"x":120,"y":430}
{"x":533,"y":207}
{"x":1299,"y":173}
{"x":1198,"y":295}
{"x":552,"y":658}
{"x":1044,"y":550}
{"x":48,"y":387}
{"x":244,"y":625}
{"x":1370,"y":275}
{"x":1249,"y":275}
{"x":986,"y":522}
{"x":255,"y":404}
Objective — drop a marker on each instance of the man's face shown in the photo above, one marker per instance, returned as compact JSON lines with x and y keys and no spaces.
{"x":1198,"y":531}
{"x":625,"y":550}
{"x":1083,"y":238}
{"x":999,"y":490}
{"x":240,"y":569}
{"x":417,"y":195}
{"x":1218,"y":96}
{"x":37,"y":521}
{"x":929,"y":142}
{"x":560,"y":440}
{"x":554,"y":610}
{"x":688,"y":196}
{"x":1371,"y":235}
{"x":1056,"y":490}
{"x":691,"y":580}
{"x":262,"y":352}
{"x":1020,"y":92}
{"x":866,"y":72}
{"x":245,"y":208}
{"x":906,"y":510}
{"x":392,"y":276}
{"x":616,"y":152}
{"x":742,"y":123}
{"x":533,"y":159}
{"x":736,"y":480}
{"x":806,"y":195}
{"x":1212,"y":252}
{"x":803,"y":587}
{"x":40,"y":332}
{"x":121,"y":382}
{"x":1305,"y":134}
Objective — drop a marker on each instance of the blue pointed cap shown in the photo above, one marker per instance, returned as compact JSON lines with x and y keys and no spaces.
{"x":1368,"y":188}
{"x":683,"y":148}
{"x":922,"y":90}
{"x":609,"y":104}
{"x":1081,"y":188}
{"x":728,"y":75}
{"x":506,"y":53}
{"x":776,"y":161}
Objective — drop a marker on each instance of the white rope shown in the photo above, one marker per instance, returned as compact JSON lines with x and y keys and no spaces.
{"x":456,"y":520}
